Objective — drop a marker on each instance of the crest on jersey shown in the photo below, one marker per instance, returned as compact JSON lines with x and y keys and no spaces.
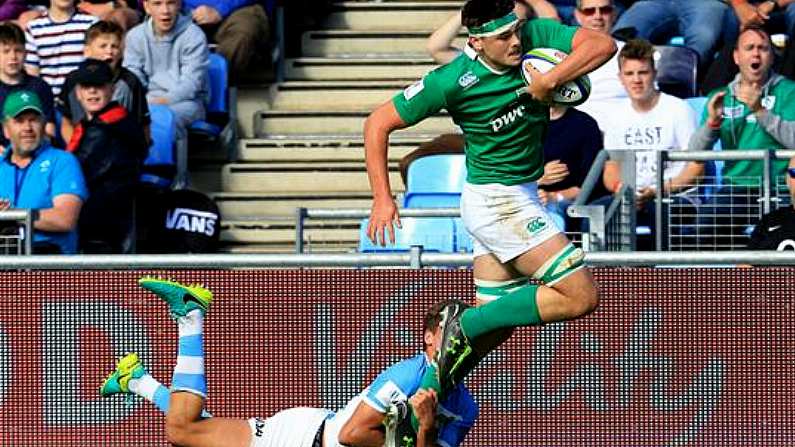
{"x":467,"y":80}
{"x":768,"y":102}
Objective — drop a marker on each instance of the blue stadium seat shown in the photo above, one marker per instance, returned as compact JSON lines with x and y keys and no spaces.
{"x":218,"y":128}
{"x":435,"y":181}
{"x":677,"y":70}
{"x":160,"y":166}
{"x":432,"y":233}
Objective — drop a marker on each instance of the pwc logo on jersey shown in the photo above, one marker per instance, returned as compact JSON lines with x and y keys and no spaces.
{"x":508,"y":119}
{"x":192,"y":221}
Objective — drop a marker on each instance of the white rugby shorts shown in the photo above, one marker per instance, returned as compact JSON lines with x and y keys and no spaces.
{"x":294,"y":427}
{"x":505,"y":220}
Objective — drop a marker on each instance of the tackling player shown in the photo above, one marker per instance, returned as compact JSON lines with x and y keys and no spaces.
{"x":504,"y":122}
{"x":369,"y":419}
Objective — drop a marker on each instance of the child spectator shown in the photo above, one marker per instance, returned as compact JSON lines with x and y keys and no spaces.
{"x":104,"y":42}
{"x":111,"y":146}
{"x":169,"y":54}
{"x":55,"y":43}
{"x":13,"y":76}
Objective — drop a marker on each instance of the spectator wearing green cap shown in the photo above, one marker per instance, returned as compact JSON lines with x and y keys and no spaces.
{"x":36,"y":176}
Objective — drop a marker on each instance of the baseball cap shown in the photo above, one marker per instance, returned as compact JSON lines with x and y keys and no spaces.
{"x":21,"y":101}
{"x":93,"y":72}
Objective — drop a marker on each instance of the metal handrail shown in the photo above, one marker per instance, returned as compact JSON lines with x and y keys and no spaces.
{"x":23,"y":217}
{"x":301,"y":214}
{"x":279,"y":260}
{"x":765,"y":155}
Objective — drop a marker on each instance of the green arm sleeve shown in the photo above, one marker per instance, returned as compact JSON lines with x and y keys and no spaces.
{"x":547,"y":33}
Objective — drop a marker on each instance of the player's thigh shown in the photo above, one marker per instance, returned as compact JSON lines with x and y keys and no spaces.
{"x":488,"y":268}
{"x":577,"y":283}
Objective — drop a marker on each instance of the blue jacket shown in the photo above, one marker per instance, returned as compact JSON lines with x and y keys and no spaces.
{"x":223,"y":7}
{"x":51,"y":173}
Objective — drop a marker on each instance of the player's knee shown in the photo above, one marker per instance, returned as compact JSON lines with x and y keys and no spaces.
{"x":587,"y":300}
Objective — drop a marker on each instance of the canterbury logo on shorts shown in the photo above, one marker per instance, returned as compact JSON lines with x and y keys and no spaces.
{"x":536,"y":224}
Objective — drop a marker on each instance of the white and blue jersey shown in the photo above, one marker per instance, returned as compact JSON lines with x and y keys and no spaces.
{"x":456,"y":413}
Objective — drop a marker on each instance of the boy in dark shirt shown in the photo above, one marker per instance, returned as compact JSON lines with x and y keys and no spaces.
{"x":776,"y":229}
{"x":13,"y":76}
{"x":111,"y":147}
{"x":104,"y":42}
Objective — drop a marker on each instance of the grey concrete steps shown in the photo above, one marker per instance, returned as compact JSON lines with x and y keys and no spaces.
{"x":381,"y":43}
{"x":420,"y":16}
{"x":329,"y":68}
{"x":278,"y":236}
{"x":245,"y":205}
{"x":335,"y":95}
{"x":317,"y":150}
{"x":258,"y":177}
{"x":281,"y":122}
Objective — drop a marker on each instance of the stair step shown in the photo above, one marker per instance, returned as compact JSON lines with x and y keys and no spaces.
{"x":279,"y":122}
{"x":356,"y":43}
{"x":313,"y":247}
{"x":385,"y":69}
{"x":335,"y":95}
{"x":242,"y":205}
{"x":264,"y":150}
{"x":269,"y":231}
{"x":267,"y":178}
{"x":421,"y":16}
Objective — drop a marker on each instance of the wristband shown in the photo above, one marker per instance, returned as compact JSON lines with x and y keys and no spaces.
{"x":34,"y":215}
{"x":714,"y":125}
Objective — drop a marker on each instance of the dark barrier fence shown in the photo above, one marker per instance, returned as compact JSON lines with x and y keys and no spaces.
{"x":672,"y":357}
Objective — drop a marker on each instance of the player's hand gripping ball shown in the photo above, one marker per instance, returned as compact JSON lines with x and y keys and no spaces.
{"x":572,"y":93}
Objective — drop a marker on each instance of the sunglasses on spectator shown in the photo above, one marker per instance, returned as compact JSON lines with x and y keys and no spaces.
{"x":606,"y":10}
{"x":791,"y":172}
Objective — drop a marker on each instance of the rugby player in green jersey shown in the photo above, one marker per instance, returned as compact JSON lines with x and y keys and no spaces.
{"x":504,"y":122}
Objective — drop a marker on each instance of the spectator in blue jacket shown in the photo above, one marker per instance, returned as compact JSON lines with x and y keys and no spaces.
{"x":39,"y":177}
{"x":169,"y":54}
{"x":239,"y":27}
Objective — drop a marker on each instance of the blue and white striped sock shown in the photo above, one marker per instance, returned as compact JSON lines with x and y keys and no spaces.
{"x":150,"y":389}
{"x":189,"y":371}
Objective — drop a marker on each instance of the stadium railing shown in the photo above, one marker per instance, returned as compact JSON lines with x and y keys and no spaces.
{"x":614,"y":228}
{"x":15,"y":232}
{"x":414,"y":259}
{"x":681,"y":224}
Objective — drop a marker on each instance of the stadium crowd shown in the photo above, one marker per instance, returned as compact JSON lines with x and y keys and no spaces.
{"x":77,"y":81}
{"x":90,"y":71}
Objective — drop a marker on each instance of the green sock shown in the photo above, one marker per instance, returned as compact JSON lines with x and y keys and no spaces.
{"x":430,"y":381}
{"x":517,"y":308}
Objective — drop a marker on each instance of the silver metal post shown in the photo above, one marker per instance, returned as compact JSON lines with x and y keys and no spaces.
{"x":658,"y":201}
{"x":300,"y":214}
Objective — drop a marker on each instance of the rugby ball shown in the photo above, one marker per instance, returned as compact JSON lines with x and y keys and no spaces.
{"x":572,"y":93}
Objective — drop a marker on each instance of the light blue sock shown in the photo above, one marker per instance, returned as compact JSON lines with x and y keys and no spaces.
{"x":189,"y":370}
{"x":150,"y":389}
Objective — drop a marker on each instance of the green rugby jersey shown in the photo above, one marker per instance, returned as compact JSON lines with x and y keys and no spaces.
{"x":504,"y":128}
